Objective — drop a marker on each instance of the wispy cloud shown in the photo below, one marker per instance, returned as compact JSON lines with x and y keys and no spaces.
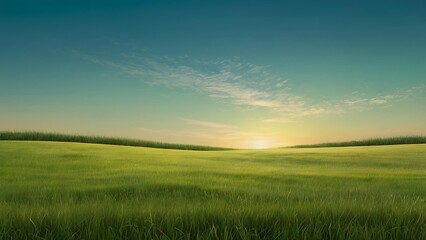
{"x":233,"y":80}
{"x":356,"y":102}
{"x":240,"y":83}
{"x":217,"y":131}
{"x":211,"y":125}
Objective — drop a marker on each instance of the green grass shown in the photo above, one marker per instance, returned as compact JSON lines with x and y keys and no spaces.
{"x":54,"y":190}
{"x":371,"y":142}
{"x":58,"y":137}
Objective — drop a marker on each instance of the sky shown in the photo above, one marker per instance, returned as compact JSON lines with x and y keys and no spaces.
{"x":243,"y":74}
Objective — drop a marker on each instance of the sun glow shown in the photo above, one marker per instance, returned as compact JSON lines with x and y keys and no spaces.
{"x":259,"y":143}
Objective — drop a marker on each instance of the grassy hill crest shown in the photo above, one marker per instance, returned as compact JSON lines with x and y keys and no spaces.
{"x":59,"y":137}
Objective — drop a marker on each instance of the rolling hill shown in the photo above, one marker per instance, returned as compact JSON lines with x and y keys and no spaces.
{"x":65,"y":190}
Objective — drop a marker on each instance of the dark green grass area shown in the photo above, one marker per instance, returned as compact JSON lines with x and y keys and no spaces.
{"x":57,"y":137}
{"x":370,"y":142}
{"x":54,"y":190}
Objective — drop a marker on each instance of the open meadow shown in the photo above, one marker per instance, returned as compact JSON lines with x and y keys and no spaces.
{"x":53,"y":190}
{"x":188,"y":120}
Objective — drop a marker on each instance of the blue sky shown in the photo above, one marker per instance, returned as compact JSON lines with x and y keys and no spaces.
{"x":226,"y":73}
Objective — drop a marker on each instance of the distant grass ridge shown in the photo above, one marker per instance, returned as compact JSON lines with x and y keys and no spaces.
{"x":58,"y":137}
{"x":370,"y":142}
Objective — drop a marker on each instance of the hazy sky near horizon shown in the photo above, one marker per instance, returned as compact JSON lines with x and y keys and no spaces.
{"x":223,"y":73}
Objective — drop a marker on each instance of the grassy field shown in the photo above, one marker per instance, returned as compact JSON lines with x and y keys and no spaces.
{"x":51,"y":190}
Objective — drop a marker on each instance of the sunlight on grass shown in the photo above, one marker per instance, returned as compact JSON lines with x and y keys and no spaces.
{"x":53,"y":190}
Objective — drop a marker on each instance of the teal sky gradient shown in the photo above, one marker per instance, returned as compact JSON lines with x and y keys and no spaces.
{"x":228,"y":73}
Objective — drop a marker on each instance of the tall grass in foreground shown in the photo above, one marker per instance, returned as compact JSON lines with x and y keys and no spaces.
{"x":370,"y":142}
{"x":57,"y":137}
{"x":55,"y":190}
{"x":107,"y":221}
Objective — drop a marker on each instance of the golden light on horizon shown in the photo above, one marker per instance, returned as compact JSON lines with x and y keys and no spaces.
{"x":259,"y":143}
